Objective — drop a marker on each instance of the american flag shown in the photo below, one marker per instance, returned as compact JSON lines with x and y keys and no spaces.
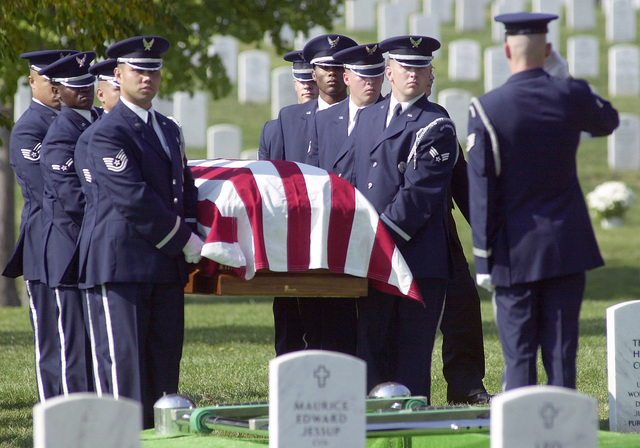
{"x":292,"y":217}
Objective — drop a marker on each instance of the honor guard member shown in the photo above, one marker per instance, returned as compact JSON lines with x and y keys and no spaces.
{"x":143,"y":234}
{"x":289,"y":332}
{"x":108,"y":93}
{"x":63,"y":210}
{"x":306,"y":90}
{"x":293,"y":138}
{"x":405,"y":150}
{"x":463,"y":360}
{"x":25,"y":144}
{"x":363,"y":75}
{"x":330,"y":149}
{"x":532,"y":236}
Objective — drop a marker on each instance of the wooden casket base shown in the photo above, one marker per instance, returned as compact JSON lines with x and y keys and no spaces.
{"x":312,"y":283}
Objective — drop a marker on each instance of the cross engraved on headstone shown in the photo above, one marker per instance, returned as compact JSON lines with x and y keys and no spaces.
{"x":321,"y":374}
{"x":548,"y":414}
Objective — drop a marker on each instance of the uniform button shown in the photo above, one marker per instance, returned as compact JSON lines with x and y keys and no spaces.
{"x":174,"y":182}
{"x":375,"y":164}
{"x":370,"y":185}
{"x":175,"y":200}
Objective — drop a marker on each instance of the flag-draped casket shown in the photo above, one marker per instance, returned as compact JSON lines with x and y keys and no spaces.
{"x":290,"y":217}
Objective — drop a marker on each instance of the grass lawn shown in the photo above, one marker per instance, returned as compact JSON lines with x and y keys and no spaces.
{"x":229,"y":341}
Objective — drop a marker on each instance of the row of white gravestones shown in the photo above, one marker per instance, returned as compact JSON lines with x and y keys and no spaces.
{"x":318,"y":398}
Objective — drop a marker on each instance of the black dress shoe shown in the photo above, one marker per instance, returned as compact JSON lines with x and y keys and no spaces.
{"x":479,"y":399}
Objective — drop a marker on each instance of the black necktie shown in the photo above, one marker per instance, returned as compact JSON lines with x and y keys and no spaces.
{"x":397,"y":111}
{"x":94,"y":115}
{"x":149,"y":119}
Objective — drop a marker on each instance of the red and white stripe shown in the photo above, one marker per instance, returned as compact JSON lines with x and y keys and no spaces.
{"x":291,"y":217}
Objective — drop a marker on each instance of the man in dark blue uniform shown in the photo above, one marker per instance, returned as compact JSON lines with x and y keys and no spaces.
{"x":143,"y":236}
{"x":24,"y":155}
{"x":290,"y":140}
{"x":363,"y":74}
{"x":289,"y":332}
{"x":63,"y":209}
{"x":306,"y":90}
{"x":296,"y":122}
{"x":532,"y":236}
{"x":108,"y":92}
{"x":405,"y":150}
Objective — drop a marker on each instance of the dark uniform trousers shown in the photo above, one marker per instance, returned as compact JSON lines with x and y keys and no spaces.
{"x":548,"y":309}
{"x":463,"y":363}
{"x":400,"y":353}
{"x":25,"y":147}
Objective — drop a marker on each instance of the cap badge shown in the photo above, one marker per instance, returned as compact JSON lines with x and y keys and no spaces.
{"x":415,"y":43}
{"x":81,"y":61}
{"x":334,"y":42}
{"x":147,"y":44}
{"x":372,"y":50}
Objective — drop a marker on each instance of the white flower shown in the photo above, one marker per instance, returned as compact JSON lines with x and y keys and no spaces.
{"x":611,"y":199}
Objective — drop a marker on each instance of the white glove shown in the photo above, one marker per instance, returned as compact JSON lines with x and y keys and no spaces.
{"x":192,"y":249}
{"x":556,"y":65}
{"x":484,"y":281}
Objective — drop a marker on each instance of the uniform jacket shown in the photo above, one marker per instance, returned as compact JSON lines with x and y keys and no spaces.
{"x":24,"y":155}
{"x":410,"y":195}
{"x":63,"y":200}
{"x":529,"y":219}
{"x":330,"y":144}
{"x":293,"y":136}
{"x":267,"y":139}
{"x":145,"y":202}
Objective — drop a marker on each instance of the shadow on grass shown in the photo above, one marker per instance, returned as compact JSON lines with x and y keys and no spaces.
{"x":192,"y":299}
{"x":610,"y":283}
{"x":16,"y":338}
{"x":226,"y":334}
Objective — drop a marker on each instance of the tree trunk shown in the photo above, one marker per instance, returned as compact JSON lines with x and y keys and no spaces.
{"x":8,"y":293}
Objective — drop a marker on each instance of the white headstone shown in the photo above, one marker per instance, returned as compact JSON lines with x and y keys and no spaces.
{"x":192,"y":113}
{"x":392,"y":21}
{"x":254,"y":77}
{"x":583,"y":56}
{"x":164,"y":105}
{"x":624,"y":70}
{"x":317,"y":399}
{"x":22,"y":98}
{"x":457,"y":101}
{"x":227,"y":48}
{"x":224,"y":141}
{"x":623,"y":366}
{"x":496,"y":67}
{"x":620,"y":23}
{"x":470,"y":15}
{"x":284,"y":93}
{"x":623,"y":146}
{"x":443,"y":9}
{"x":84,"y":420}
{"x":360,"y":15}
{"x":409,"y":6}
{"x":544,"y":416}
{"x":302,"y":38}
{"x":249,"y":154}
{"x":581,"y":14}
{"x":464,"y":60}
{"x":421,"y":24}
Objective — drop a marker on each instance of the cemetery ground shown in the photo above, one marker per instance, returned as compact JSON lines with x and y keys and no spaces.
{"x":229,"y":340}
